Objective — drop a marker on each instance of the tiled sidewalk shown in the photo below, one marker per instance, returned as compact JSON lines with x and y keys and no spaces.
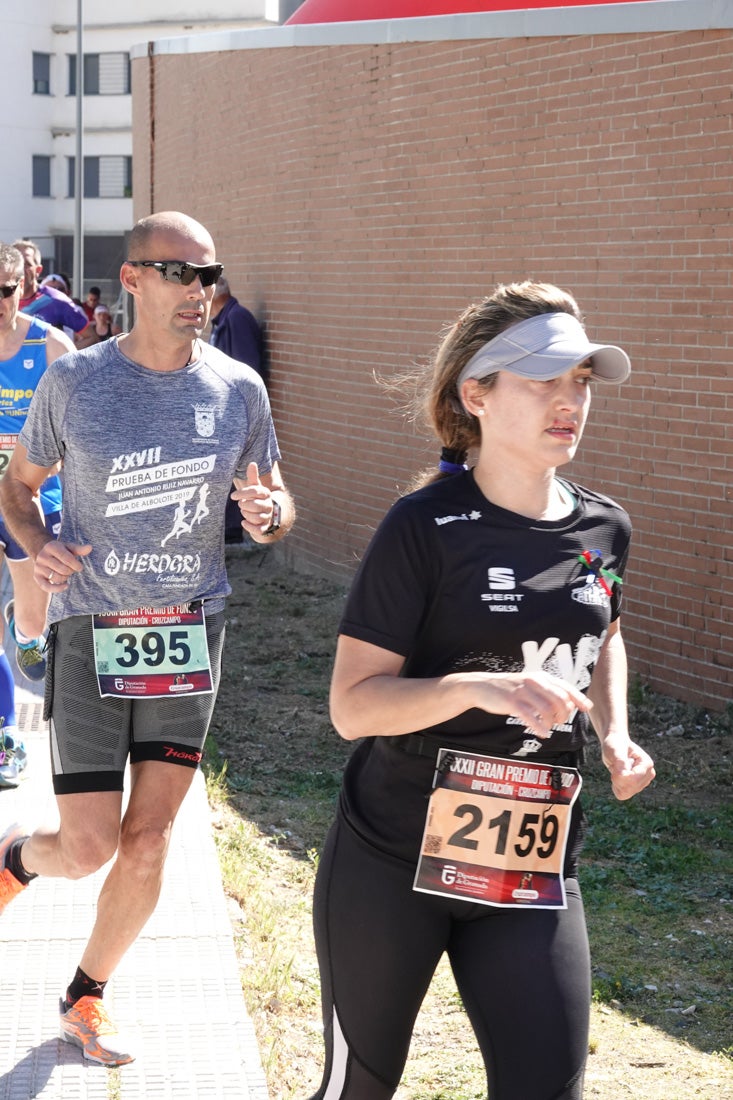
{"x":177,"y":991}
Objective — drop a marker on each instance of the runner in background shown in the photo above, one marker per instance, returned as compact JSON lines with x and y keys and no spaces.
{"x":152,"y":428}
{"x":27,"y":347}
{"x":484,"y":620}
{"x":101,"y":328}
{"x":92,"y":300}
{"x":236,"y":331}
{"x":47,"y":302}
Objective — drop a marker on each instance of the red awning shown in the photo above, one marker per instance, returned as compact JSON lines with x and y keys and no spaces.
{"x":347,"y":11}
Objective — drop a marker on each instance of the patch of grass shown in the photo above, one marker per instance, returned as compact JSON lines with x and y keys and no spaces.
{"x":657,"y":887}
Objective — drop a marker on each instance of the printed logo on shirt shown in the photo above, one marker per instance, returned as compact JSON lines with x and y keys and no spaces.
{"x":134,"y":460}
{"x":440,"y":520}
{"x":9,"y":395}
{"x":588,"y":591}
{"x":174,"y":565}
{"x":574,"y":666}
{"x":175,"y":495}
{"x":529,"y":745}
{"x":29,"y":364}
{"x":502,"y":596}
{"x":205,"y":419}
{"x":500,"y":577}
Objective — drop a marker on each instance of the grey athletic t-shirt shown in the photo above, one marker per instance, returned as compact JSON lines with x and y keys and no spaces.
{"x":148,"y":461}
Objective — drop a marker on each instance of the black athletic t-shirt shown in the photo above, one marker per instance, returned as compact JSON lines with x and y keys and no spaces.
{"x":453,"y":583}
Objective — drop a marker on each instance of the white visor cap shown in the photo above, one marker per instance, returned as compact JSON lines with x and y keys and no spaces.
{"x":544,"y":347}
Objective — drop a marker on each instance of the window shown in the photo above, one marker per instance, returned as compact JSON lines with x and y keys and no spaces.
{"x":42,"y":177}
{"x":104,"y":177}
{"x":104,"y":74}
{"x":41,"y":73}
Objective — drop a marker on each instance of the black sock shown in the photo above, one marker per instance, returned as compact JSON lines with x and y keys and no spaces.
{"x":83,"y":986}
{"x":14,"y":865}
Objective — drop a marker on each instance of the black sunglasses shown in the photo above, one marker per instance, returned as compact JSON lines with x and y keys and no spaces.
{"x":180,"y":272}
{"x":7,"y":291}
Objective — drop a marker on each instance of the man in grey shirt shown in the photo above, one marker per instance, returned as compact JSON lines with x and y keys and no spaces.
{"x":152,"y":428}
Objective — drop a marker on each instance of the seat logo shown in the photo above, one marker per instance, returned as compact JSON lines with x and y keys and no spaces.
{"x":501,"y":579}
{"x":502,"y":596}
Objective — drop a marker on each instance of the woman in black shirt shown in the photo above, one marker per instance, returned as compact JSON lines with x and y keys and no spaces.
{"x":480,"y":639}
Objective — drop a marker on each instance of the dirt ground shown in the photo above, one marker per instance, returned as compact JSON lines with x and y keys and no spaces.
{"x":283,"y":762}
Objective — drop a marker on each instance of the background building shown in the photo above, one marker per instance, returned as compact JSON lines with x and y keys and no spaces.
{"x":38,"y":48}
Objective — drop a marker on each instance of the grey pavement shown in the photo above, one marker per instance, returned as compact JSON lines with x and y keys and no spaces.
{"x":177,"y":992}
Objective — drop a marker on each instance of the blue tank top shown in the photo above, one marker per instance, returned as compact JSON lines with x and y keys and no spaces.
{"x":19,"y":377}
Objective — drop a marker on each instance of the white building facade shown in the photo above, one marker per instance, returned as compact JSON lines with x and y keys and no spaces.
{"x":38,"y":52}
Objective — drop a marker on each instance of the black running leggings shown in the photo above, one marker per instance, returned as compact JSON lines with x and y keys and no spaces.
{"x":523,"y":975}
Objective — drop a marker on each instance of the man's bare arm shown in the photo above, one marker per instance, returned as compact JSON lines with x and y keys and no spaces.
{"x":53,"y":561}
{"x":57,"y":344}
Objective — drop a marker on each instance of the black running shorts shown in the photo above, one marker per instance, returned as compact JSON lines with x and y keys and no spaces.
{"x":93,"y":737}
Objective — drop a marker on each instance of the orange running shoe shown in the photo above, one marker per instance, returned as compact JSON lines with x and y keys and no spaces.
{"x":10,"y":887}
{"x":87,"y":1025}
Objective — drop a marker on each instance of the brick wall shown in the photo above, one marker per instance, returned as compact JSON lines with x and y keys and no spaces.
{"x":361,"y":195}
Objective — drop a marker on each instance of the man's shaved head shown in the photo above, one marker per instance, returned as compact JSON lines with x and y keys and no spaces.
{"x":165,"y":224}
